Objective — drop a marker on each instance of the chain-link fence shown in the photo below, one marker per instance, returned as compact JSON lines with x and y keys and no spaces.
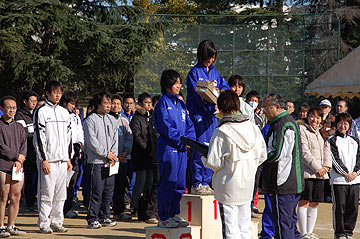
{"x":279,"y":54}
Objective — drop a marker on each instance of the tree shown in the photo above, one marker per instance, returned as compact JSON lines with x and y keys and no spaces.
{"x":85,"y":50}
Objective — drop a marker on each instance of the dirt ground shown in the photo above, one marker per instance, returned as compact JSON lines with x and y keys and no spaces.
{"x":135,"y":230}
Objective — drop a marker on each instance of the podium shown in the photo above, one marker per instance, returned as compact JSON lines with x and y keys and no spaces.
{"x":190,"y":232}
{"x":203,"y":214}
{"x":202,"y":211}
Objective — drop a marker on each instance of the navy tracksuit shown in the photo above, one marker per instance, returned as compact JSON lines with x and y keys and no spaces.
{"x":171,"y":121}
{"x":202,"y":115}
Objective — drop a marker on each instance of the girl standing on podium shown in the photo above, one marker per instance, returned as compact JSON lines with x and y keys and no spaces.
{"x":236,"y":150}
{"x":172,"y":121}
{"x":202,"y":113}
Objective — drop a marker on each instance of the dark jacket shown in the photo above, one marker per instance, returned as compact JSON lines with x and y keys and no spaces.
{"x":25,"y":118}
{"x":328,"y":126}
{"x":141,"y":150}
{"x":283,"y":171}
{"x":13,"y":141}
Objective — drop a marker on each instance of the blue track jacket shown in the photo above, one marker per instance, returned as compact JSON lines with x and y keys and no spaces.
{"x":199,"y":73}
{"x":172,"y":121}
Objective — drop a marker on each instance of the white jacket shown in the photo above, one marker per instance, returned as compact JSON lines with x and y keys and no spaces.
{"x":345,"y":152}
{"x":236,"y":150}
{"x":52,"y":137}
{"x":76,"y":129}
{"x":246,"y":109}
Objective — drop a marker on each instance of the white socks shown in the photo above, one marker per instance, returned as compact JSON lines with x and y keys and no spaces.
{"x":311,"y":219}
{"x":307,"y":219}
{"x":302,"y":220}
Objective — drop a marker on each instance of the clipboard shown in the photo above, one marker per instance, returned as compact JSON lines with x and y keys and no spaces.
{"x":195,"y":145}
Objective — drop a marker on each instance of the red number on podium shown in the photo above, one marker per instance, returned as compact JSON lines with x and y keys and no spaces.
{"x":215,"y":209}
{"x":158,"y":236}
{"x":189,"y":211}
{"x":185,"y":235}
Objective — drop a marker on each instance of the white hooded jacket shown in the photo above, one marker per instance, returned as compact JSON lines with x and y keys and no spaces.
{"x":236,"y":150}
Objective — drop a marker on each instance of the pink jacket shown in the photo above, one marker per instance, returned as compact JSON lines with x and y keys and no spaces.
{"x":316,"y":153}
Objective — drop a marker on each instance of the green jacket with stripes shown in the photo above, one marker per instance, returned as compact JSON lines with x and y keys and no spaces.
{"x":283,"y":171}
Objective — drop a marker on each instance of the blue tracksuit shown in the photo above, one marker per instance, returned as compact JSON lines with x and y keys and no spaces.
{"x":268,"y":227}
{"x":171,"y":121}
{"x":202,"y":114}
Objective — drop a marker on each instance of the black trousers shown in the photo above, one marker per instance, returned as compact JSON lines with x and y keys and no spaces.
{"x":70,"y":190}
{"x":30,"y":178}
{"x":101,"y":192}
{"x":152,"y":210}
{"x":120,"y":189}
{"x":345,"y":199}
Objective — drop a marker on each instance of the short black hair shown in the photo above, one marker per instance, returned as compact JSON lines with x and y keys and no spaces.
{"x":143,"y":96}
{"x":128,"y":96}
{"x":52,"y":85}
{"x":253,"y":93}
{"x":275,"y":99}
{"x":168,"y":79}
{"x":8,"y":97}
{"x":69,"y":96}
{"x":305,"y":107}
{"x":206,"y":50}
{"x":228,"y":102}
{"x":237,"y":80}
{"x":27,"y":94}
{"x":344,"y":117}
{"x":98,"y":98}
{"x":116,"y":97}
{"x":317,"y":111}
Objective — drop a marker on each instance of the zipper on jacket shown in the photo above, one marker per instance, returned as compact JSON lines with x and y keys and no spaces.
{"x":57,"y":126}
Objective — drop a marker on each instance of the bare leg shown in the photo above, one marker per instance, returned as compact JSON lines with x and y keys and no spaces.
{"x":4,"y":192}
{"x":15,"y":195}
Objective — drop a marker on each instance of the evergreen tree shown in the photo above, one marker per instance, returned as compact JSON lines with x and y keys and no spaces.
{"x":85,"y":47}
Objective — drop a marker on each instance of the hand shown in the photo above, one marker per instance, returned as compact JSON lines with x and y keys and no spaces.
{"x":122,"y":157}
{"x":111,"y":156}
{"x":21,"y":158}
{"x":323,"y":171}
{"x":17,"y":164}
{"x":354,"y":174}
{"x":69,"y":166}
{"x":46,"y":166}
{"x":350,"y":177}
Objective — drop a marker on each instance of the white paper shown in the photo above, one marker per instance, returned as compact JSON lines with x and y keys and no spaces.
{"x":114,"y":169}
{"x":16,"y":176}
{"x":68,"y":177}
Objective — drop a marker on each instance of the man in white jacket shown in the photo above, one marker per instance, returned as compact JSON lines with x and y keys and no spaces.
{"x":236,"y":150}
{"x":52,"y":142}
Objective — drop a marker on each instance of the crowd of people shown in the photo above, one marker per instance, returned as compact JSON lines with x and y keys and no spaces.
{"x":130,"y":161}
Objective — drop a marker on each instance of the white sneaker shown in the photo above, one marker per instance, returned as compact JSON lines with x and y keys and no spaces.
{"x":3,"y":232}
{"x":181,"y":221}
{"x":199,"y":190}
{"x":15,"y":231}
{"x":314,"y":236}
{"x":58,"y":228}
{"x":94,"y":225}
{"x":208,"y":190}
{"x":46,"y":230}
{"x":107,"y":223}
{"x":168,"y":223}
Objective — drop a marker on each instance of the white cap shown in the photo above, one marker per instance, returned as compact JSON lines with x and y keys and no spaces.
{"x":325,"y":102}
